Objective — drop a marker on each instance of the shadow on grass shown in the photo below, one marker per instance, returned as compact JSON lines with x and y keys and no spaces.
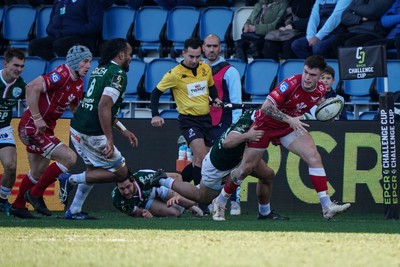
{"x":299,"y":222}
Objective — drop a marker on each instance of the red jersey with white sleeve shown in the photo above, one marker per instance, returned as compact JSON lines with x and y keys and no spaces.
{"x":61,"y":90}
{"x":290,"y":98}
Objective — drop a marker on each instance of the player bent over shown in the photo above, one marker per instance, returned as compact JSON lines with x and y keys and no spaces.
{"x":225,"y":155}
{"x":279,"y":118}
{"x":136,"y":197}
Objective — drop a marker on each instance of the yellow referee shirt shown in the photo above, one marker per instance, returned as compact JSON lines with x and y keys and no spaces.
{"x":190,"y":92}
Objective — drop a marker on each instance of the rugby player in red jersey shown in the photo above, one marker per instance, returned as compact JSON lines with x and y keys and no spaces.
{"x":47,"y":97}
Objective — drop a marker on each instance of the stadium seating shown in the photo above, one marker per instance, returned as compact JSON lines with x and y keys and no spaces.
{"x":239,"y":18}
{"x":117,"y":22}
{"x":217,"y":20}
{"x":169,"y":114}
{"x":393,"y":68}
{"x":358,"y":90}
{"x":240,"y":65}
{"x":149,"y":27}
{"x":349,"y":115}
{"x":18,"y":25}
{"x":260,"y":78}
{"x":358,"y":93}
{"x":368,"y":115}
{"x":154,"y":73}
{"x":136,"y":74}
{"x":67,"y":114}
{"x":290,"y":67}
{"x":34,"y":67}
{"x":54,"y":63}
{"x":42,"y":20}
{"x":182,"y":23}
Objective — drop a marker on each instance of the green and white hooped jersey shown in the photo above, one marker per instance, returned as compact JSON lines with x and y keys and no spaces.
{"x":227,"y":158}
{"x":86,"y":119}
{"x":10,"y":94}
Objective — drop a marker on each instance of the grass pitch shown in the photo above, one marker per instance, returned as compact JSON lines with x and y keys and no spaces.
{"x":118,"y":240}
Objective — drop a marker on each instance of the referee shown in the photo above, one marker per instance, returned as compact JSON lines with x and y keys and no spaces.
{"x":191,"y":84}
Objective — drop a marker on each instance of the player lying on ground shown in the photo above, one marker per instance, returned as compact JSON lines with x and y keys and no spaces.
{"x":137,"y":198}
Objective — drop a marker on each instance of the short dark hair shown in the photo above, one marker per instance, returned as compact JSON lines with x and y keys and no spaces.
{"x":329,"y":70}
{"x":192,"y":43}
{"x":111,"y":49}
{"x":13,"y":52}
{"x":315,"y":61}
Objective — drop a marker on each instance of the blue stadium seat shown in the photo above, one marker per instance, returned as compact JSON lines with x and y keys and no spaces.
{"x":217,"y":20}
{"x":1,"y":14}
{"x":34,"y":67}
{"x":154,"y":73}
{"x":260,"y":78}
{"x":18,"y":23}
{"x":393,"y":68}
{"x":368,"y":115}
{"x":54,"y":63}
{"x":42,"y":20}
{"x":136,"y":74}
{"x":182,"y":22}
{"x":358,"y":90}
{"x":290,"y":67}
{"x":169,"y":114}
{"x":349,"y":115}
{"x":150,"y":23}
{"x":117,"y":22}
{"x":67,"y":114}
{"x":239,"y":64}
{"x":239,"y":19}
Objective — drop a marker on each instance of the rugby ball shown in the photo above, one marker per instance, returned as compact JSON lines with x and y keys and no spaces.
{"x":329,"y":109}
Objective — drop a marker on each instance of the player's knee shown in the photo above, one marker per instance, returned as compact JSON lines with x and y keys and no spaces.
{"x":245,"y":171}
{"x":270,"y":175}
{"x":10,"y":168}
{"x":70,"y":159}
{"x":122,"y":174}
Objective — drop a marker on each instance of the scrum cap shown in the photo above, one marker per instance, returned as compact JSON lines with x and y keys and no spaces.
{"x":76,"y":54}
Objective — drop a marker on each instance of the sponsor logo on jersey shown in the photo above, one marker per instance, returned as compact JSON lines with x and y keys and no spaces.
{"x":17,"y":91}
{"x":55,"y":77}
{"x":197,"y":89}
{"x":283,"y":87}
{"x":296,"y":96}
{"x":99,"y":71}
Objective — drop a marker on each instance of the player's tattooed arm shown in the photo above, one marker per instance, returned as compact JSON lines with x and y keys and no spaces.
{"x":269,"y":109}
